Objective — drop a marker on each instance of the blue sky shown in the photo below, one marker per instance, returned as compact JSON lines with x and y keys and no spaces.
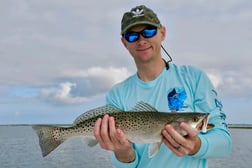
{"x":60,"y":57}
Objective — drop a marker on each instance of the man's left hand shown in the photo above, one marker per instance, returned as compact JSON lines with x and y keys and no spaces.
{"x":182,"y":145}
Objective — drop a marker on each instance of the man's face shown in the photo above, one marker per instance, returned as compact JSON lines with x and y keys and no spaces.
{"x":145,"y":49}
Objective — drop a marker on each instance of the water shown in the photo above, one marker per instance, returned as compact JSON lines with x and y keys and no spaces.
{"x":19,"y":149}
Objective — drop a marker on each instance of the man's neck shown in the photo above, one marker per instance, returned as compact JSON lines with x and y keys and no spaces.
{"x":151,"y":70}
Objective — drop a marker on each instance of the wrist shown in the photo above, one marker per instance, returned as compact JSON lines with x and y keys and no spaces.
{"x":196,"y":147}
{"x":126,"y":156}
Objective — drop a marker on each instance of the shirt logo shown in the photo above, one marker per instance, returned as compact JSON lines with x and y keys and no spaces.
{"x":138,"y":13}
{"x":176,"y":98}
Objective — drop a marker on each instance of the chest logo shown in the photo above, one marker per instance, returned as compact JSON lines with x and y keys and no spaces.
{"x":176,"y":98}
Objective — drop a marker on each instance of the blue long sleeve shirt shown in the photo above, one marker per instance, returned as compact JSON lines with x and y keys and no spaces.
{"x":181,"y":88}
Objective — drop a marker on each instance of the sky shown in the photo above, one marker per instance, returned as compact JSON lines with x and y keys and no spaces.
{"x":58,"y":58}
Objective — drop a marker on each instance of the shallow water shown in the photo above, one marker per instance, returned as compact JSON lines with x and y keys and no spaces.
{"x":19,"y":149}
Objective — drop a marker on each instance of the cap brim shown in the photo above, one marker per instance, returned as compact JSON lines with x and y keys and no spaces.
{"x":139,"y":23}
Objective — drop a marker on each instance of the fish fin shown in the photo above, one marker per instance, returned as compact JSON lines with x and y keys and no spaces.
{"x":46,"y":140}
{"x":90,"y":141}
{"x":97,"y":111}
{"x":153,"y":149}
{"x":142,"y":106}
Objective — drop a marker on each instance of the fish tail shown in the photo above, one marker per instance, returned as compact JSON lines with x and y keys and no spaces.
{"x":48,"y":138}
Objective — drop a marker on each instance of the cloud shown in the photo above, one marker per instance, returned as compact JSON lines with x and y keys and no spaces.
{"x":109,"y":74}
{"x":232,"y":83}
{"x":216,"y":79}
{"x":64,"y":44}
{"x":62,"y":94}
{"x":79,"y":86}
{"x":237,"y":84}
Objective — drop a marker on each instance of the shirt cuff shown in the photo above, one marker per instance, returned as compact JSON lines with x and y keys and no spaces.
{"x":203,"y":148}
{"x":117,"y":163}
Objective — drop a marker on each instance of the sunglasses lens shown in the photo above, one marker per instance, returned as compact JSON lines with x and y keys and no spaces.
{"x":148,"y":33}
{"x":131,"y":37}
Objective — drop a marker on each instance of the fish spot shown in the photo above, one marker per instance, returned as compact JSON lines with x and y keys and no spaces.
{"x":56,"y":134}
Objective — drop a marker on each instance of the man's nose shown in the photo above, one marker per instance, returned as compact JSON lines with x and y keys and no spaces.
{"x":141,"y":39}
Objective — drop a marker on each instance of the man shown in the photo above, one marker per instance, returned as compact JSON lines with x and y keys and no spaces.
{"x":168,"y":88}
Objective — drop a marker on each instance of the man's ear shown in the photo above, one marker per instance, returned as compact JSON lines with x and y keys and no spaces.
{"x":124,"y":42}
{"x":163,"y":32}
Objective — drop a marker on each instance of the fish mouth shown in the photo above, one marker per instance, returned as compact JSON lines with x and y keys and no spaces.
{"x":203,"y":125}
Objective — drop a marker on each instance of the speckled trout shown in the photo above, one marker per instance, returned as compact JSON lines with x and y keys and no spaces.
{"x":142,"y":125}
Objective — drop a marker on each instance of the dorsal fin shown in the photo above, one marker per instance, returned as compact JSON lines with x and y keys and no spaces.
{"x":109,"y":108}
{"x":142,"y":106}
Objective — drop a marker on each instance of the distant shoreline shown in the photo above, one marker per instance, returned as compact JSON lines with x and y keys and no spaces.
{"x":242,"y":126}
{"x":233,"y":126}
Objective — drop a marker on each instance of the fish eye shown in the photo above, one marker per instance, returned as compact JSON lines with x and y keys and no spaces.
{"x":195,"y":119}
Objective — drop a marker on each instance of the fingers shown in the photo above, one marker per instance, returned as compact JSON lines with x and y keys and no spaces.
{"x":102,"y":133}
{"x":174,"y":140}
{"x":168,"y":136}
{"x":97,"y":127}
{"x":181,"y":145}
{"x":108,"y":136}
{"x":97,"y":134}
{"x":105,"y":129}
{"x":115,"y":134}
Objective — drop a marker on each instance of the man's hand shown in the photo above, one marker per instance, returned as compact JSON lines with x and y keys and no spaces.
{"x":113,"y":139}
{"x":182,"y":145}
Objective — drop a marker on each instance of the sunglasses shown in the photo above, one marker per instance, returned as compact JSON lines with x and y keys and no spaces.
{"x":147,"y":32}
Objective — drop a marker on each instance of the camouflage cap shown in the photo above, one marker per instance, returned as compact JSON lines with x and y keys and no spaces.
{"x":139,"y":15}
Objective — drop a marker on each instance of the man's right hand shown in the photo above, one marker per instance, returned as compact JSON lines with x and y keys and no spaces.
{"x":111,"y":138}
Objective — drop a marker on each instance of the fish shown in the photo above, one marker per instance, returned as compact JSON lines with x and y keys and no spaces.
{"x":141,"y":125}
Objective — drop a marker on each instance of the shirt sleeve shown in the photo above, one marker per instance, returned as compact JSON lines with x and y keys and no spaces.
{"x":117,"y":163}
{"x":206,"y":100}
